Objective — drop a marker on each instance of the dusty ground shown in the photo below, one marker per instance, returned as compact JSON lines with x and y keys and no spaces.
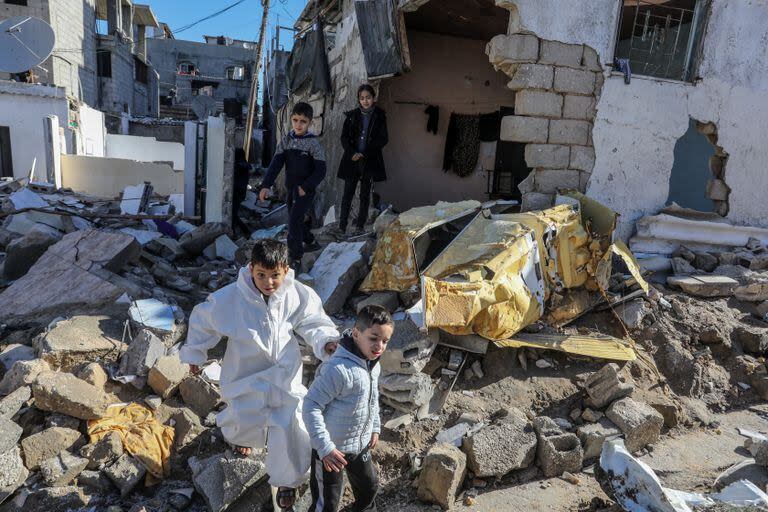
{"x":689,"y":359}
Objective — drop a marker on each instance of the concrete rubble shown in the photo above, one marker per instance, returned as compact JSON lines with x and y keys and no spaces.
{"x":123,"y":288}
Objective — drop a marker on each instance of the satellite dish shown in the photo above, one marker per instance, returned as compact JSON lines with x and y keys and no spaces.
{"x":25,"y":42}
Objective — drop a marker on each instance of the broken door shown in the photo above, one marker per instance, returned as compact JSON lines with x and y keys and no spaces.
{"x":380,"y":33}
{"x":6,"y":160}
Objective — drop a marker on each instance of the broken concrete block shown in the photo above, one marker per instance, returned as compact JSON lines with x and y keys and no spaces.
{"x":505,"y":50}
{"x":579,"y":107}
{"x":14,"y":353}
{"x":705,"y":261}
{"x":633,"y":313}
{"x":163,"y":320}
{"x":531,"y":76}
{"x":22,"y":373}
{"x":199,"y":395}
{"x":409,"y":350}
{"x":10,"y":433}
{"x":49,"y":443}
{"x":754,"y":291}
{"x":56,"y":498}
{"x":536,"y":200}
{"x":591,"y":416}
{"x":559,"y":453}
{"x":337,"y":271}
{"x":681,"y":267}
{"x":82,"y":339}
{"x":23,"y":252}
{"x":223,"y":478}
{"x":187,"y":428}
{"x":66,"y":394}
{"x":142,"y":354}
{"x":13,"y":403}
{"x":388,"y":300}
{"x":593,"y":435}
{"x":195,"y":241}
{"x":104,"y":451}
{"x":62,"y":469}
{"x":705,"y":286}
{"x":442,"y":473}
{"x":569,"y":131}
{"x":12,"y":472}
{"x":500,"y":448}
{"x":640,"y":423}
{"x":606,"y":385}
{"x":524,"y":129}
{"x":575,"y":81}
{"x":753,"y":340}
{"x":166,"y":375}
{"x":550,"y":181}
{"x":72,"y":276}
{"x":539,"y":104}
{"x":94,"y":375}
{"x":547,"y":156}
{"x":95,"y":481}
{"x":126,"y":473}
{"x":136,"y":198}
{"x":414,"y":388}
{"x":166,"y":248}
{"x":561,"y":54}
{"x":222,"y":248}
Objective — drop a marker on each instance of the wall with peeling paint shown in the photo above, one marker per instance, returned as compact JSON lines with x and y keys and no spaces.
{"x":638,"y":125}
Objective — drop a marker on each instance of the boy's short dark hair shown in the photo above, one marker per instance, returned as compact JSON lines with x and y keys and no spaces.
{"x":269,"y":253}
{"x":303,"y":109}
{"x":373,"y":315}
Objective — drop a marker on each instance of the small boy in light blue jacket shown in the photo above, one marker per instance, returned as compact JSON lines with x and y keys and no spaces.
{"x":341,"y":413}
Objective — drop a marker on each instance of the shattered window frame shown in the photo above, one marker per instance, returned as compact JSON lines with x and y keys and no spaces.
{"x":236,"y":73}
{"x":666,"y":40}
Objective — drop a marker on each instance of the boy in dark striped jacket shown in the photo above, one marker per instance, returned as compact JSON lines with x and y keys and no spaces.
{"x":302,"y":155}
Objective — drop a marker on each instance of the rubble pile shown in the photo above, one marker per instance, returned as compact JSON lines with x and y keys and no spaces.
{"x":555,"y":356}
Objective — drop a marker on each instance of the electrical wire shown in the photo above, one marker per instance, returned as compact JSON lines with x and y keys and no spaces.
{"x":206,"y":18}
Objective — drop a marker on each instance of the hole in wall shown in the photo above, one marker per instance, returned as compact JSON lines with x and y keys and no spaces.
{"x":697,"y":179}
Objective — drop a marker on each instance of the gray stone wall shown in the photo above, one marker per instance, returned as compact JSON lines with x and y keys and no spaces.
{"x":556,"y":86}
{"x":74,"y":59}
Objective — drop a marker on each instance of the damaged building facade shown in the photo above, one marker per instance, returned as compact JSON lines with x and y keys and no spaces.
{"x":639,"y":104}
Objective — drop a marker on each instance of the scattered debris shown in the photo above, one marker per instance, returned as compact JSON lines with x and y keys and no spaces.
{"x":441,"y":475}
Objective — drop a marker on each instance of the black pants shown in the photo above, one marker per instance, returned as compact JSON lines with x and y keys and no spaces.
{"x":237,"y":222}
{"x":298,"y":225}
{"x":350,"y":186}
{"x":328,"y":487}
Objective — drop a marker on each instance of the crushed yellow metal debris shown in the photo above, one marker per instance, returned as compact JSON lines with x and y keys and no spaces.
{"x":503,"y":272}
{"x":602,"y":347}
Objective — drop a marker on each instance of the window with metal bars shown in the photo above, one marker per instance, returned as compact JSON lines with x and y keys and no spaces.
{"x":662,"y":38}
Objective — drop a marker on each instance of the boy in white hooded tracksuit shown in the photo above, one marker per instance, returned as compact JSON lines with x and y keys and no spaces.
{"x":263,"y":315}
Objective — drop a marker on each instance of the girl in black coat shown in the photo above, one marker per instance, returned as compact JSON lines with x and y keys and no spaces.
{"x":363,"y":137}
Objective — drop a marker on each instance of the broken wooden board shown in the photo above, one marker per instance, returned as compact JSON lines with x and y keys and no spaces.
{"x":601,"y":347}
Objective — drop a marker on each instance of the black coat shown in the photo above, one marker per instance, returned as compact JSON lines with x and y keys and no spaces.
{"x":372,"y":166}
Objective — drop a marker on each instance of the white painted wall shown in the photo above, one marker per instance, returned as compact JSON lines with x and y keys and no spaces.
{"x":214,"y":184}
{"x":637,"y":125}
{"x":23,"y":108}
{"x":108,"y":177}
{"x":91,"y":139}
{"x":145,"y":149}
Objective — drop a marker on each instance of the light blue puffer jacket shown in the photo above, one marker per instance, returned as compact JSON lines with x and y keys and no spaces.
{"x":341,"y":409}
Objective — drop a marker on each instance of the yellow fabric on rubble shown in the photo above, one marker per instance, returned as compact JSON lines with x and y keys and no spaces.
{"x":143,"y":436}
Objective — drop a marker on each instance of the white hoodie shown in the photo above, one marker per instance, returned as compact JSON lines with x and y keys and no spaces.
{"x":261,"y":370}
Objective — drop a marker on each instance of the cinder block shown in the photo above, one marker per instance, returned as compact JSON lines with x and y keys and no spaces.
{"x":532,"y":76}
{"x":567,"y":131}
{"x":537,"y":201}
{"x":514,"y":48}
{"x":591,"y":60}
{"x":561,"y":54}
{"x":549,"y":181}
{"x":579,"y":107}
{"x":582,"y":158}
{"x":547,"y":156}
{"x":538,"y":103}
{"x":524,"y":129}
{"x":574,"y":81}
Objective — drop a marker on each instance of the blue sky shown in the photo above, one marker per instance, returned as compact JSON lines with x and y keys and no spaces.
{"x":240,"y":22}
